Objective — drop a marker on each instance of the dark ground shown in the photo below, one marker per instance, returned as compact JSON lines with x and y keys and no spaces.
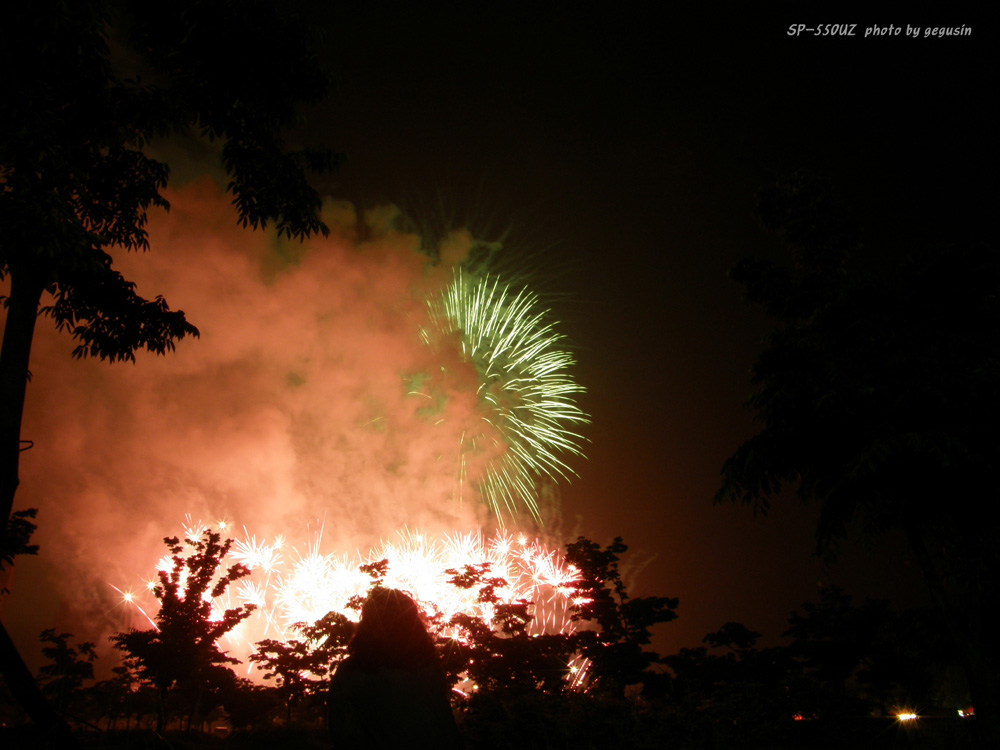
{"x":932,"y":733}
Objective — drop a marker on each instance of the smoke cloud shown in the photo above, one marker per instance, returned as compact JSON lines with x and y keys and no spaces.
{"x":295,"y":408}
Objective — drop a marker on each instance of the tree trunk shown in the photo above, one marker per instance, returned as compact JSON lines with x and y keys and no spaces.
{"x":19,"y":330}
{"x":161,"y":710}
{"x":960,"y":598}
{"x":22,"y":312}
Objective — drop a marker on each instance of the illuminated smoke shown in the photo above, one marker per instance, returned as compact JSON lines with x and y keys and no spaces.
{"x":296,"y":405}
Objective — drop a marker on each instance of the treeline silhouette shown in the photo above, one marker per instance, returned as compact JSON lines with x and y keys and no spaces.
{"x":846,"y":671}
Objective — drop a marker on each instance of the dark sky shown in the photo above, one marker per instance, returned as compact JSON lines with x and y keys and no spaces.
{"x":624,"y":147}
{"x":620,"y":150}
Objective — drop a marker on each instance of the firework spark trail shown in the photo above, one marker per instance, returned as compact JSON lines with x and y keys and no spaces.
{"x":527,"y":394}
{"x":129,"y":600}
{"x":302,"y":587}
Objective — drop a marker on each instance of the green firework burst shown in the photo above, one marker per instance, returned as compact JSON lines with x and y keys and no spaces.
{"x":525,"y":390}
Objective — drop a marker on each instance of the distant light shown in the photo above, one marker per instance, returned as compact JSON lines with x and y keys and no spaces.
{"x":906,"y":716}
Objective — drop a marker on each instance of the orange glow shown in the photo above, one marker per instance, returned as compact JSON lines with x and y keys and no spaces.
{"x":302,"y":585}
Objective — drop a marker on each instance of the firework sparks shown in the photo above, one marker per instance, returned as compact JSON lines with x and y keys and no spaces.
{"x":256,"y":555}
{"x":302,"y":587}
{"x":128,"y":601}
{"x":526,"y":393}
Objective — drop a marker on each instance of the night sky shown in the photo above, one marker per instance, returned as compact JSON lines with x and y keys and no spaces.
{"x":628,"y":145}
{"x":620,"y":150}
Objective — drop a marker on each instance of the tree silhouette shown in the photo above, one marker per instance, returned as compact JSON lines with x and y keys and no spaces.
{"x":17,"y":540}
{"x":733,"y":691}
{"x":76,"y":183}
{"x":877,"y":395}
{"x":300,"y":668}
{"x":120,"y":696}
{"x":500,"y":658}
{"x":180,"y":654}
{"x":835,"y":645}
{"x":866,"y":658}
{"x":615,"y":649}
{"x":68,"y":667}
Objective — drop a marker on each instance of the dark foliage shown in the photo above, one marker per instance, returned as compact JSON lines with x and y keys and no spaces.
{"x":76,"y":180}
{"x":877,"y":397}
{"x":68,"y":667}
{"x":180,"y":657}
{"x":614,"y":626}
{"x":845,"y":663}
{"x":17,"y":538}
{"x":502,"y":658}
{"x":300,"y":669}
{"x":866,"y":659}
